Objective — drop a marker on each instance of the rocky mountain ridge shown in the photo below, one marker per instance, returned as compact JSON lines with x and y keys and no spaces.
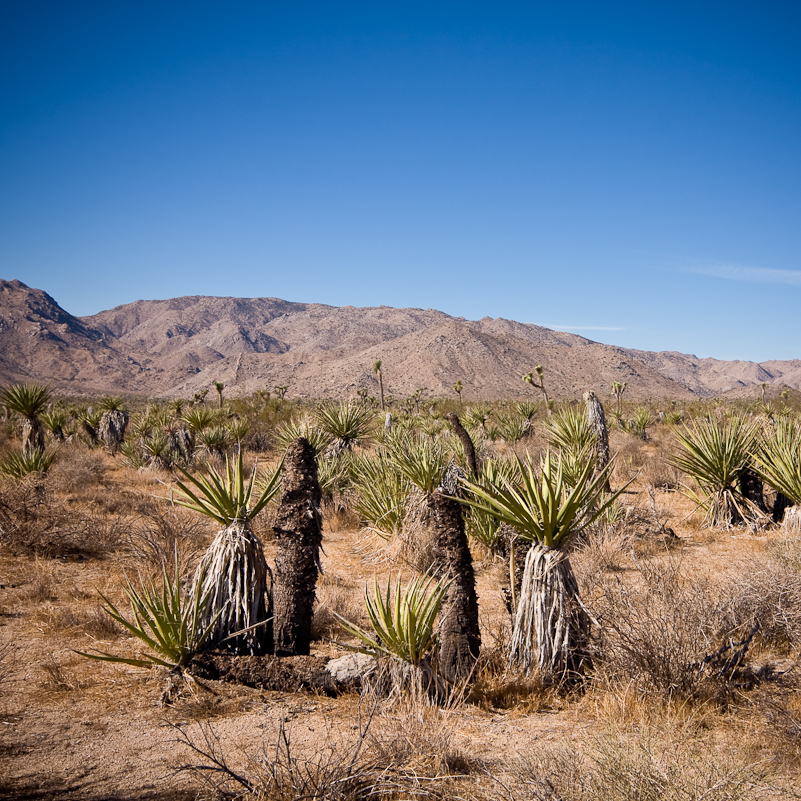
{"x":179,"y":346}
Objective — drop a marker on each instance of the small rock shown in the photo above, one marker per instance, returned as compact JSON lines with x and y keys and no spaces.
{"x":351,"y":668}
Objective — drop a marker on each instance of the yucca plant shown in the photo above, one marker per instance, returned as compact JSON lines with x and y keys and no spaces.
{"x":233,"y":572}
{"x":348,"y":424}
{"x":303,"y":428}
{"x":640,"y":421}
{"x":215,"y":441}
{"x":29,"y":401}
{"x":55,"y":420}
{"x":90,"y":421}
{"x":171,"y":625}
{"x":551,"y":630}
{"x":422,"y":461}
{"x":481,"y":525}
{"x":381,"y":491}
{"x":716,"y":454}
{"x":199,"y":418}
{"x":569,"y":430}
{"x":402,"y":621}
{"x":778,"y":458}
{"x":334,"y":476}
{"x":20,"y":465}
{"x":513,"y":427}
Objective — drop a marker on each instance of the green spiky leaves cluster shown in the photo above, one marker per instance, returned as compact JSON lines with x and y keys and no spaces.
{"x":543,"y":506}
{"x":228,"y":498}
{"x":778,"y":459}
{"x":402,"y":621}
{"x":26,"y":400}
{"x":164,"y":620}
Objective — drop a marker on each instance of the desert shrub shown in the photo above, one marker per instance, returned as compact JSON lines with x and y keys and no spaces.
{"x":34,"y":520}
{"x":672,"y":760}
{"x":159,"y":535}
{"x":667,"y":633}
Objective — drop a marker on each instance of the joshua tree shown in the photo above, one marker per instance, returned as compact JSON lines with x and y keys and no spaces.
{"x":551,"y":624}
{"x":233,"y":572}
{"x":595,"y":416}
{"x":219,"y":386}
{"x":617,"y":390}
{"x":28,"y":401}
{"x":540,"y":385}
{"x":280,"y":391}
{"x":199,"y":397}
{"x":113,"y":423}
{"x":457,"y":388}
{"x":377,"y":371}
{"x":298,"y":534}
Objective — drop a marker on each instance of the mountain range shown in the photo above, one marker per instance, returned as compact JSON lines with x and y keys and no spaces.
{"x":174,"y":348}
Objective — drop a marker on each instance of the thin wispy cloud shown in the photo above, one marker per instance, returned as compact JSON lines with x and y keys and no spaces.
{"x":584,"y":328}
{"x":762,"y":275}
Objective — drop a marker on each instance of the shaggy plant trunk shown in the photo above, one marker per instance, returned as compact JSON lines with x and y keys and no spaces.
{"x":112,"y":429}
{"x":234,"y":573}
{"x":552,"y":627}
{"x":459,"y":636}
{"x":596,"y":418}
{"x":182,"y":444}
{"x":467,"y":443}
{"x":298,"y":534}
{"x":33,"y":440}
{"x":751,"y":489}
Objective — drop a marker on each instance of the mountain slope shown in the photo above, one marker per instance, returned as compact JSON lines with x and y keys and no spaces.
{"x":180,"y":346}
{"x":40,"y":341}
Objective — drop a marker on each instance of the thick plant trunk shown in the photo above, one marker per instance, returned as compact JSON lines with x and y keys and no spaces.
{"x":596,"y":418}
{"x":182,"y":444}
{"x":459,"y":636}
{"x":33,"y":440}
{"x":112,"y":429}
{"x":298,"y":533}
{"x":467,"y":443}
{"x":234,"y":573}
{"x":751,"y":489}
{"x":552,"y":627}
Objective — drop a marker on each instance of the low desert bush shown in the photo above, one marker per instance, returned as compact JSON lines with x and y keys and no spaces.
{"x":666,"y":633}
{"x":33,"y":519}
{"x":672,"y":760}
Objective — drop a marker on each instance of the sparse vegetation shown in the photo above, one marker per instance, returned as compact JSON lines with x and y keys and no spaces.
{"x":691,"y":632}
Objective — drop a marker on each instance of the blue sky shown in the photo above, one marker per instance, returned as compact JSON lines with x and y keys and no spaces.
{"x":627,"y":171}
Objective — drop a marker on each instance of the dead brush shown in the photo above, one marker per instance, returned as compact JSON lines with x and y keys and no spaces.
{"x":335,"y":599}
{"x":160,"y":533}
{"x":764,"y":594}
{"x":335,"y":771}
{"x":34,"y":520}
{"x":667,"y":760}
{"x":58,"y":677}
{"x":414,"y":737}
{"x":665,"y":633}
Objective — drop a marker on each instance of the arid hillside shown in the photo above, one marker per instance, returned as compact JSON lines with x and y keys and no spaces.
{"x":180,"y":346}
